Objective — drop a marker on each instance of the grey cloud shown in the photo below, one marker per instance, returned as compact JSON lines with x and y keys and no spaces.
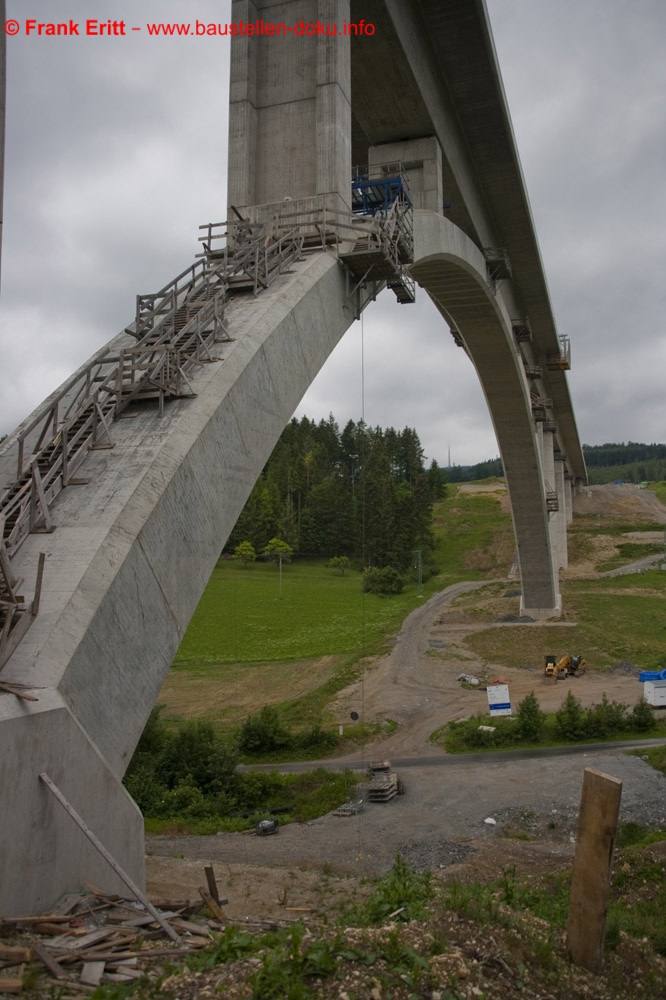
{"x":116,"y":151}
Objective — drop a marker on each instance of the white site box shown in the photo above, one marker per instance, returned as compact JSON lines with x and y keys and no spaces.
{"x":655,"y":693}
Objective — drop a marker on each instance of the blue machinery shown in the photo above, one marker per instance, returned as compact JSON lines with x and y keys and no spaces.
{"x":379,"y":194}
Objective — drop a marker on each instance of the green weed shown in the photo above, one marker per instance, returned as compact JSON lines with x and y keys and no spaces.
{"x":402,"y":894}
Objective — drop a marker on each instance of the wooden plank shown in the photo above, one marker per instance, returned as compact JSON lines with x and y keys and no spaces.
{"x":14,"y":955}
{"x":32,"y":920}
{"x":11,"y":985}
{"x":212,"y":883}
{"x":99,"y":846}
{"x":71,"y":942}
{"x":188,"y":925}
{"x":175,"y":904}
{"x":91,"y":973}
{"x":214,"y":907}
{"x":48,"y":927}
{"x":66,"y":904}
{"x":53,"y":967}
{"x":588,"y":901}
{"x":127,"y":972}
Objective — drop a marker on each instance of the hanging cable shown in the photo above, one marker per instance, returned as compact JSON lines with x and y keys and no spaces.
{"x":363,"y":566}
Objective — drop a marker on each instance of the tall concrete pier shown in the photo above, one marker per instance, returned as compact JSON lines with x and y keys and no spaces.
{"x":111,"y":527}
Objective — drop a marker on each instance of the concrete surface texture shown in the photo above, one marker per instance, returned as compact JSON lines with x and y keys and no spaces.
{"x":134,"y":548}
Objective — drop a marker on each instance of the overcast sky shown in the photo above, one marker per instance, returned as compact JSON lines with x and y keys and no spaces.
{"x":116,"y":152}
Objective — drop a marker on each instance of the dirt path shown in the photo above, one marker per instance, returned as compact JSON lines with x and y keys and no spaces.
{"x":410,"y":686}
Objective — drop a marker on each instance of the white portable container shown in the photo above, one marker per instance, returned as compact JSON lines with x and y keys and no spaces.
{"x":655,"y":693}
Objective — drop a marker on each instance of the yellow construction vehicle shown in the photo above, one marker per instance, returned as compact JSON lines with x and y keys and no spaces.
{"x":567,"y":666}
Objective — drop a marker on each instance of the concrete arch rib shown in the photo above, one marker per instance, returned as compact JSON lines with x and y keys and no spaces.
{"x":126,"y":566}
{"x":452,"y":269}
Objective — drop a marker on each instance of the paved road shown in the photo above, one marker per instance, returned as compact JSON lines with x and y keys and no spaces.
{"x":465,"y":759}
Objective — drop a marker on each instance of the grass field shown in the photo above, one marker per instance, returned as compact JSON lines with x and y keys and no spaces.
{"x":243,"y":619}
{"x":249,"y":646}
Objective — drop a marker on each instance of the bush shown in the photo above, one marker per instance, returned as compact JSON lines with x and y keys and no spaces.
{"x":340,"y":563}
{"x":195,"y":752}
{"x":185,"y":801}
{"x":264,"y":733}
{"x":605,"y":719}
{"x":316,"y":738}
{"x":382,"y":581}
{"x":258,"y":788}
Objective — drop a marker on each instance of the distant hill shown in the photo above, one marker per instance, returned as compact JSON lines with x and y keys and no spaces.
{"x":631,"y":462}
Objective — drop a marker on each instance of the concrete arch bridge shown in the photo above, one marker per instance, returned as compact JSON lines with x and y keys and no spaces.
{"x":122,"y":487}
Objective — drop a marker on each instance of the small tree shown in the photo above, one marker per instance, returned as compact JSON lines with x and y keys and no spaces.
{"x":278,"y":551}
{"x":642,"y":717}
{"x":341,"y":563}
{"x":570,"y":719}
{"x":245,"y":552}
{"x":530,"y":718}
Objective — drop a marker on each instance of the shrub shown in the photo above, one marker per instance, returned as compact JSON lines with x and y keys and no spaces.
{"x":316,"y":738}
{"x":197,"y":753}
{"x":401,"y":889}
{"x":382,"y":581}
{"x":186,"y":800}
{"x":605,"y":719}
{"x":264,"y":733}
{"x":245,"y":552}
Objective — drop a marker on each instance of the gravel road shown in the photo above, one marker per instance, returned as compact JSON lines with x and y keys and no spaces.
{"x":443,"y":808}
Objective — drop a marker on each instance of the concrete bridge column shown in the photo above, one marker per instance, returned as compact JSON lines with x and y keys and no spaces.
{"x":568,"y":496}
{"x":290,"y":109}
{"x":548,"y":462}
{"x":559,"y":518}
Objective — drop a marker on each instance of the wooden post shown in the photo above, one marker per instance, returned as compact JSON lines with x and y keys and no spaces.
{"x":212,"y":883}
{"x":99,"y":846}
{"x":588,"y":903}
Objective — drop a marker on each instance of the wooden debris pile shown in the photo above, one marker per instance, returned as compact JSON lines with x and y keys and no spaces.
{"x":92,"y":938}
